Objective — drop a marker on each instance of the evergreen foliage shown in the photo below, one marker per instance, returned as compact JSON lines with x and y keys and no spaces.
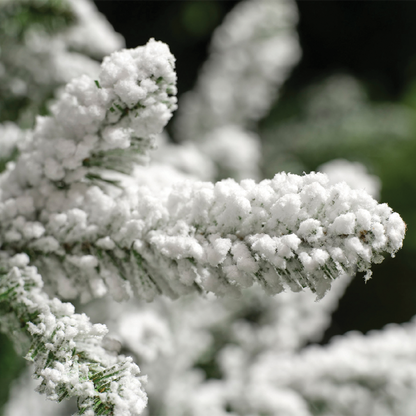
{"x":83,"y":216}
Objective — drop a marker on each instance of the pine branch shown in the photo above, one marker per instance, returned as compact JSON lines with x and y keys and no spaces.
{"x":290,"y":232}
{"x":65,"y":347}
{"x":357,"y":374}
{"x":106,"y":124}
{"x":252,"y":53}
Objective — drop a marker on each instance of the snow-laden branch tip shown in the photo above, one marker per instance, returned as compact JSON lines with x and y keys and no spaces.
{"x":95,"y":121}
{"x":65,"y":347}
{"x":294,"y":231}
{"x":289,"y":232}
{"x":252,"y":53}
{"x":357,"y":374}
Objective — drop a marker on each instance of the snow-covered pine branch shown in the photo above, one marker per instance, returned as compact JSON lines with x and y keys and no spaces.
{"x":355,"y":374}
{"x":95,"y":121}
{"x":372,"y":374}
{"x":251,"y":54}
{"x":44,"y":44}
{"x":294,"y":231}
{"x":65,"y":347}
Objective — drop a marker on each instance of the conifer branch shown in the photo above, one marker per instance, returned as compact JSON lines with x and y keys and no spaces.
{"x":65,"y":347}
{"x":290,"y":232}
{"x":106,"y":124}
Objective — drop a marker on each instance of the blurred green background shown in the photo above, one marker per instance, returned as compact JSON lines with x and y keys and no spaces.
{"x":353,"y":96}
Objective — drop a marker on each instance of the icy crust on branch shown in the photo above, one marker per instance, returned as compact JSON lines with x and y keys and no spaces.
{"x":289,"y":232}
{"x":108,"y":123}
{"x":66,"y":348}
{"x":251,"y":55}
{"x":369,"y":375}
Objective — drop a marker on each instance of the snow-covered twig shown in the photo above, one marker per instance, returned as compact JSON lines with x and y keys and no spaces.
{"x":65,"y":347}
